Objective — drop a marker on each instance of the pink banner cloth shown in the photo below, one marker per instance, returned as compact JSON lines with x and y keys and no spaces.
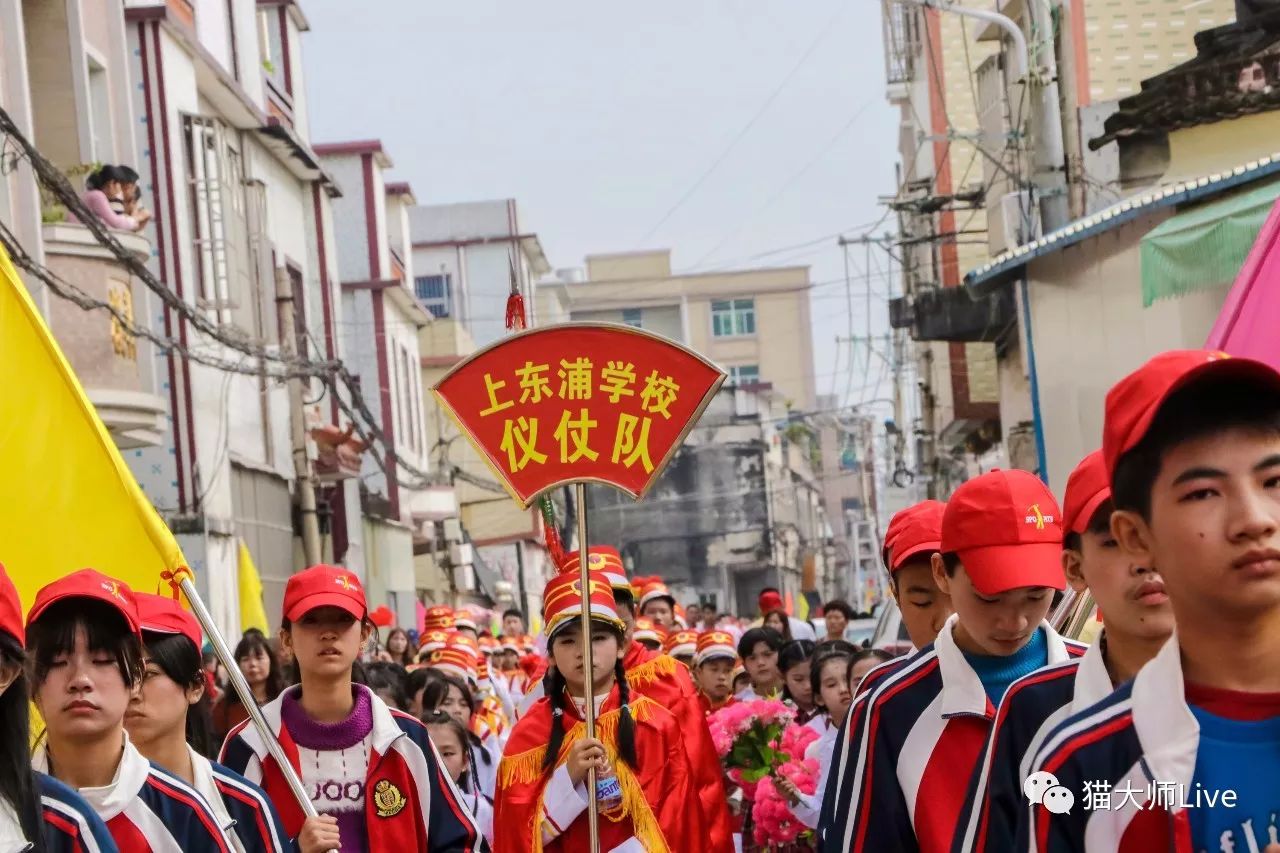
{"x":1246,"y":325}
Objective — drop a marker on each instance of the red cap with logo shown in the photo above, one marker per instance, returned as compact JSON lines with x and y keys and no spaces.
{"x":323,"y":586}
{"x":681,"y":643}
{"x":562,"y":601}
{"x":715,"y":644}
{"x":1088,"y":488}
{"x":1132,"y":402}
{"x":162,"y":615}
{"x":647,"y":629}
{"x":88,"y":583}
{"x":913,"y":531}
{"x":1007,"y":530}
{"x":604,"y":559}
{"x":10,"y":608}
{"x":439,"y":617}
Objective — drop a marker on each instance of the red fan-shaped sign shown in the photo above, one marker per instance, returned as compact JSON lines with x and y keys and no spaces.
{"x":579,"y":402}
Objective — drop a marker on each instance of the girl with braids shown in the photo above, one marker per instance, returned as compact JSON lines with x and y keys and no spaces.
{"x":644,"y":780}
{"x":37,"y":813}
{"x":453,"y":742}
{"x":168,"y":721}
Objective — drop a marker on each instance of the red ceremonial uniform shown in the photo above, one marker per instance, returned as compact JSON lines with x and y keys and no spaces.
{"x":534,"y":814}
{"x":667,"y":681}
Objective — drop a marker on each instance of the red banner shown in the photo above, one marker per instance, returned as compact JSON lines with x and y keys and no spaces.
{"x":579,"y":402}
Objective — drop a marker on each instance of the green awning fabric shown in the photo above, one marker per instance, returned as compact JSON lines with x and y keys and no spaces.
{"x":1204,"y":246}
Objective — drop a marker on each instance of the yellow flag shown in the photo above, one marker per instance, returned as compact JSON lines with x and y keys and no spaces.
{"x":253,"y":613}
{"x":802,"y":608}
{"x":67,"y":499}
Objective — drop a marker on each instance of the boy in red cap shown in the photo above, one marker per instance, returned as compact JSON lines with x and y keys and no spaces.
{"x":644,"y":782}
{"x":913,"y":537}
{"x":1139,"y":621}
{"x":713,"y":670}
{"x":372,"y":772}
{"x":925,"y":725}
{"x":1189,"y":750}
{"x":85,"y":644}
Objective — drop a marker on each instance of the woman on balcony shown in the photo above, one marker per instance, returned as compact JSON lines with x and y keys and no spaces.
{"x":105,"y":198}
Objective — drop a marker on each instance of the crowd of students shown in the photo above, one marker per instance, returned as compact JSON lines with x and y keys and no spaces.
{"x":995,"y":734}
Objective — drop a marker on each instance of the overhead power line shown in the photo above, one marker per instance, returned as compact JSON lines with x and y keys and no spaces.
{"x":746,"y":128}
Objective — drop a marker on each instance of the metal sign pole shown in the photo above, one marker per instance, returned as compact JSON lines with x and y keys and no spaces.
{"x":588,"y":669}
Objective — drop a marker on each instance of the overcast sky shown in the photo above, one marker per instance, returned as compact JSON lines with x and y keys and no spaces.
{"x":610,"y":123}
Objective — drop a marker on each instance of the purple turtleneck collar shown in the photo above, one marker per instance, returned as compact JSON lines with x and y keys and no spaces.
{"x":311,"y":734}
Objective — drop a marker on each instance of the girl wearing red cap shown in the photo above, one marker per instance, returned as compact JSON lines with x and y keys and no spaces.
{"x":168,"y":720}
{"x":37,"y":812}
{"x":644,"y":781}
{"x":370,"y":772}
{"x":86,"y":666}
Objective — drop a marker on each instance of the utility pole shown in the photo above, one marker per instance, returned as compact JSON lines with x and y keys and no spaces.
{"x":298,"y":423}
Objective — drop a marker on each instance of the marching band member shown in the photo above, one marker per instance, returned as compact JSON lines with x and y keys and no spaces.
{"x":86,"y":650}
{"x":455,"y":694}
{"x":168,"y":723}
{"x":713,"y":670}
{"x":644,"y":779}
{"x":656,"y":602}
{"x":372,"y":772}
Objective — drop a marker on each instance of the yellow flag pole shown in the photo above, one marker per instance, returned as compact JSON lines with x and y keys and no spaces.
{"x":588,"y":668}
{"x":245,"y":692}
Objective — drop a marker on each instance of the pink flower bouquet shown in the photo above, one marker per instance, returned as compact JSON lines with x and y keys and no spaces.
{"x":748,"y":735}
{"x":759,"y":744}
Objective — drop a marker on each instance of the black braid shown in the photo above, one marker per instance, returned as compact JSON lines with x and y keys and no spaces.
{"x":626,"y":723}
{"x":555,"y":686}
{"x":479,"y":744}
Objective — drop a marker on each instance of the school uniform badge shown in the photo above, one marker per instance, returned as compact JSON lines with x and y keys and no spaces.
{"x":387,"y":798}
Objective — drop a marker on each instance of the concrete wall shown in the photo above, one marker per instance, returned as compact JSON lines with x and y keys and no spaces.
{"x":781,"y":345}
{"x":349,"y":218}
{"x":1090,"y":329}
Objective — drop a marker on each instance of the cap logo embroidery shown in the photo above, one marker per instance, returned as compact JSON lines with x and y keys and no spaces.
{"x":1039,"y":519}
{"x":346,"y":582}
{"x":113,"y":589}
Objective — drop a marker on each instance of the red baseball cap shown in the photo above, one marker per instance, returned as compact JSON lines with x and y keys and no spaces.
{"x":770,"y":600}
{"x":1088,"y":488}
{"x":1007,"y":530}
{"x":88,"y":583}
{"x":162,"y":615}
{"x":10,"y":608}
{"x":913,"y":531}
{"x":1132,"y":402}
{"x":323,"y":586}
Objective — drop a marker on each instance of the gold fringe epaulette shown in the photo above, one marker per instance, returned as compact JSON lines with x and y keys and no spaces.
{"x":524,"y":768}
{"x":527,"y":767}
{"x":651,"y":670}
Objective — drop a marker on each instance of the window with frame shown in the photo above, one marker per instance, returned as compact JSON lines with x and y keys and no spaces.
{"x":744,"y":374}
{"x":435,"y":292}
{"x":733,"y":317}
{"x":632,"y":317}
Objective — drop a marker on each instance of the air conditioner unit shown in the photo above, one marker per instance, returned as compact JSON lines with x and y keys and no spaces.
{"x":427,"y":530}
{"x":1020,"y":218}
{"x":452,"y":530}
{"x":460,"y":554}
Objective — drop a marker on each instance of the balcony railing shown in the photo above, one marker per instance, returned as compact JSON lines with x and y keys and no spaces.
{"x":105,"y":356}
